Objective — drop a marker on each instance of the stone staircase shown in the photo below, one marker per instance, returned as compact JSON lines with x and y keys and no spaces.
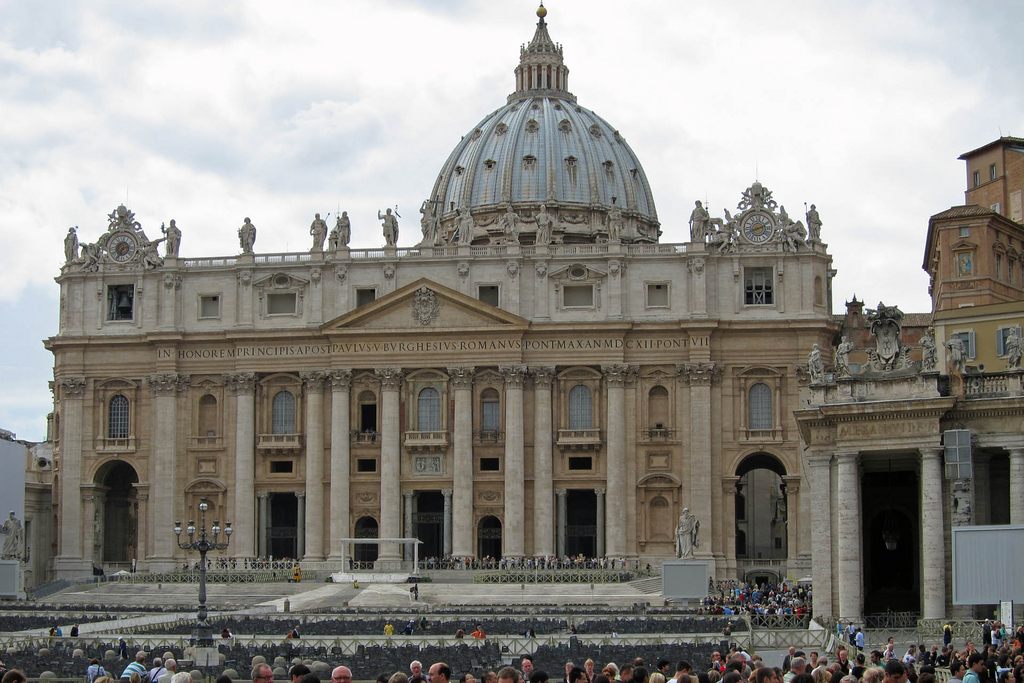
{"x":651,"y":586}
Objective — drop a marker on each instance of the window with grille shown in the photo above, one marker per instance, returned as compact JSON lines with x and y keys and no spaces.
{"x":118,"y":418}
{"x":757,"y":287}
{"x":581,"y":414}
{"x":760,"y":408}
{"x":428,"y":410}
{"x":283,"y":413}
{"x":957,"y":446}
{"x":491,"y":413}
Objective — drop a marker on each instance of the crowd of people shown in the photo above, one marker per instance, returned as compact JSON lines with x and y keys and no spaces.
{"x":735,"y":597}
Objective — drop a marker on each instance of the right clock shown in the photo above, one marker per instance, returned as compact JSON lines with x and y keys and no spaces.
{"x":758,"y":227}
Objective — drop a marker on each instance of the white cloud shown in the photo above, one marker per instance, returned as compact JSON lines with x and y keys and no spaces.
{"x":209,"y":114}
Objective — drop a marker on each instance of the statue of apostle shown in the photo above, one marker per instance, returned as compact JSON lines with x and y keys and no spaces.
{"x":318,"y":229}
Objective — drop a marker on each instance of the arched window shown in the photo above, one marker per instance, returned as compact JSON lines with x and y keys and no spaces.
{"x":760,"y":407}
{"x":283,"y":413}
{"x":491,"y":411}
{"x":207,"y":415}
{"x":581,"y":412}
{"x":118,"y":423}
{"x":428,"y":410}
{"x":657,"y":407}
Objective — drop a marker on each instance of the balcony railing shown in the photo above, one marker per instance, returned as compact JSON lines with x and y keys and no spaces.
{"x":206,"y":443}
{"x":125,"y":445}
{"x":992,"y":385}
{"x":579,"y":439}
{"x":488,"y":436}
{"x":426,"y":441}
{"x":657,"y":434}
{"x":366,"y":438}
{"x":762,"y":434}
{"x":279,"y":443}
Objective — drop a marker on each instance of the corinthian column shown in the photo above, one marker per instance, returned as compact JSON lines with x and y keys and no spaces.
{"x":698,"y":376}
{"x":390,"y":460}
{"x":513,"y":533}
{"x":70,"y":561}
{"x":341,"y":384}
{"x":314,"y":385}
{"x":819,"y":466}
{"x":1017,"y":486}
{"x":615,"y":522}
{"x":933,"y":539}
{"x":849,"y":536}
{"x":243,"y":386}
{"x":165,"y":389}
{"x":543,"y":517}
{"x":462,"y":472}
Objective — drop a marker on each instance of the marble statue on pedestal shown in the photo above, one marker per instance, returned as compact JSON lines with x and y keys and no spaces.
{"x":928,"y":354}
{"x":813,"y":225}
{"x":429,"y":225}
{"x":390,"y":225}
{"x":247,"y":236}
{"x":957,"y":355}
{"x":341,"y":233}
{"x":173,"y":235}
{"x":71,"y":246}
{"x":842,"y":358}
{"x":510,"y":225}
{"x":545,"y":225}
{"x":318,"y":229}
{"x":687,"y":534}
{"x":1013,"y":349}
{"x":14,"y":540}
{"x":815,"y":366}
{"x":700,"y":221}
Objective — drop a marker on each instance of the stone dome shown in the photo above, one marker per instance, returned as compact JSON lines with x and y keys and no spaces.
{"x":542,"y":148}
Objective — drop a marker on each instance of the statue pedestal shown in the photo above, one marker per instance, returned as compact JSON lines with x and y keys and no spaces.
{"x":11,"y":580}
{"x":684,"y":580}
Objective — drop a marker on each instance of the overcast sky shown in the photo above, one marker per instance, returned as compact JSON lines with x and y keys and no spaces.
{"x":210,"y":112}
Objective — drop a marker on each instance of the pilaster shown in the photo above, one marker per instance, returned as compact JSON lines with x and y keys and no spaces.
{"x":543,"y":536}
{"x":390,"y":459}
{"x":819,"y":466}
{"x":165,"y":388}
{"x":447,"y":531}
{"x":849,"y":546}
{"x":341,"y":454}
{"x":313,"y":382}
{"x":513,"y":532}
{"x":243,"y":386}
{"x":933,"y":539}
{"x":615,"y":376}
{"x":70,"y":561}
{"x":461,"y":382}
{"x":560,"y":524}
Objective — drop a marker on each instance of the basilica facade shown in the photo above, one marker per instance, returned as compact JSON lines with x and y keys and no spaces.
{"x":540,"y":375}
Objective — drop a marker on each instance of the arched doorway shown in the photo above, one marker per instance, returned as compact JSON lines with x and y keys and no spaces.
{"x":761,"y":509}
{"x":116,"y":517}
{"x":366,"y":527}
{"x":891,"y":577}
{"x":488,"y":537}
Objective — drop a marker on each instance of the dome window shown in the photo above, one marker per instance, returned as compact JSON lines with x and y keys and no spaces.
{"x":564,"y":126}
{"x":609,"y":166}
{"x":558,"y":107}
{"x":500,"y":129}
{"x":595,"y":130}
{"x":529,"y":161}
{"x":571,"y":164}
{"x":459,"y":170}
{"x":477,"y":133}
{"x":532,"y":126}
{"x":489,"y":164}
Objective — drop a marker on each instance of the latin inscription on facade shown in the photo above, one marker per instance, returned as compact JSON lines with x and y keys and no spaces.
{"x":439,"y":346}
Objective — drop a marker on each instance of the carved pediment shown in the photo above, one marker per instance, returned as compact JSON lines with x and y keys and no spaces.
{"x":280,"y":281}
{"x":760,"y":371}
{"x":424,"y":306}
{"x":578,"y":272}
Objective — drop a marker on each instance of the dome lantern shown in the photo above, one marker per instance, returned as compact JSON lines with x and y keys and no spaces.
{"x":541,"y":70}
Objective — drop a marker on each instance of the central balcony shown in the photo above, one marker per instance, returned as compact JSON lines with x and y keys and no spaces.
{"x":580,"y":439}
{"x":279,"y":443}
{"x":426,"y":441}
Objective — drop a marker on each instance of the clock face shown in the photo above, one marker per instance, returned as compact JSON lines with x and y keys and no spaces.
{"x":121,"y":247}
{"x":758,"y":227}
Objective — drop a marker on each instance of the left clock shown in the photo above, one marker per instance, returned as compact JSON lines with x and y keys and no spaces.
{"x":122,"y":247}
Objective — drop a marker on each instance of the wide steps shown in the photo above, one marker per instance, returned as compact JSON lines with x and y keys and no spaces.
{"x":651,"y":586}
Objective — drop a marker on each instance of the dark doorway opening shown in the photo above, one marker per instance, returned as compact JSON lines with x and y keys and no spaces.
{"x":428,"y":523}
{"x":115,"y":524}
{"x":581,"y":523}
{"x":488,"y":540}
{"x":366,"y":527}
{"x":891,"y":577}
{"x":284,"y":525}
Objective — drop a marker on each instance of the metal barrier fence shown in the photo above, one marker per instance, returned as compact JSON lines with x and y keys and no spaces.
{"x":561,"y":575}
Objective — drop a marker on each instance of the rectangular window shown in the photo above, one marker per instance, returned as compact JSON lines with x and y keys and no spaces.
{"x":365,"y":295}
{"x":957,"y":446}
{"x":490,"y":464}
{"x":580,"y":463}
{"x":968,"y":339}
{"x":578,"y":296}
{"x":657,"y":295}
{"x":281,"y":467}
{"x":992,"y":172}
{"x":209,"y":306}
{"x":999,"y":266}
{"x":977,"y":178}
{"x":778,"y":543}
{"x":757,"y":287}
{"x":281,"y":303}
{"x":488,"y":294}
{"x":366,"y":464}
{"x":491,"y":418}
{"x":1002,"y":334}
{"x":965,"y":232}
{"x":1011,"y":266}
{"x":120,"y":302}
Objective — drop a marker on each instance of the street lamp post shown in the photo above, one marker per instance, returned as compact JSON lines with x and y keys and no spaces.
{"x":204,"y":544}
